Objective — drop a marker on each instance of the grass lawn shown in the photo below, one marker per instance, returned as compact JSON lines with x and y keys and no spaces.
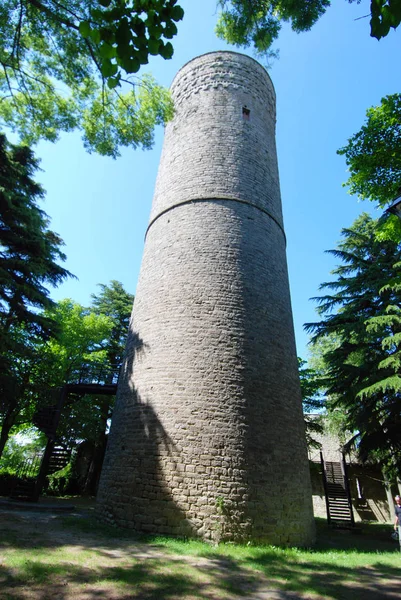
{"x":47,"y":556}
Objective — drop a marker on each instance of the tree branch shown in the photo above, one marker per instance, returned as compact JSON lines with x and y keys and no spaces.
{"x":52,"y":15}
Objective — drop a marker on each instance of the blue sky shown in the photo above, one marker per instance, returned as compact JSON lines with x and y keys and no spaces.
{"x":324,"y":79}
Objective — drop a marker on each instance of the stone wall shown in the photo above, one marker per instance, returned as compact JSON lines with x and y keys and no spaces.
{"x":208,"y":437}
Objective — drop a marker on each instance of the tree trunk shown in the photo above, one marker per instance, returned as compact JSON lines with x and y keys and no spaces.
{"x":8,"y":422}
{"x":14,"y":408}
{"x":95,"y":467}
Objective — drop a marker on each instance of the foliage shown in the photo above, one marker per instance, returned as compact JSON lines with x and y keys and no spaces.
{"x":86,"y":335}
{"x":125,"y":33}
{"x":312,"y":401}
{"x":58,"y":482}
{"x":81,"y":337}
{"x":373,"y":154}
{"x":29,"y":255}
{"x":386,"y":14}
{"x":334,"y":421}
{"x":114,"y":302}
{"x":62,"y":68}
{"x":363,"y":365}
{"x":16,"y":452}
{"x":258,"y":22}
{"x":29,"y":250}
{"x":66,"y":66}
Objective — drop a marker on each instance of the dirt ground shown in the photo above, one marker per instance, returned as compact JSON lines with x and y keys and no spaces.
{"x":61,"y":562}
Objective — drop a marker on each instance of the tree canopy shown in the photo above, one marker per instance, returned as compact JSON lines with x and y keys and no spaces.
{"x":29,"y":263}
{"x":312,"y":401}
{"x":373,"y":154}
{"x":258,"y":22}
{"x":73,"y":65}
{"x":62,"y":67}
{"x":114,"y":302}
{"x":29,"y":251}
{"x":361,"y":318}
{"x":40,"y":367}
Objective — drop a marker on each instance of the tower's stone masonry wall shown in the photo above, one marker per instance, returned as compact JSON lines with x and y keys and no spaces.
{"x":207,"y":437}
{"x":210,"y":150}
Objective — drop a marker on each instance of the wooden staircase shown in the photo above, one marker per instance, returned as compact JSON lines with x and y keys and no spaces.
{"x":338,"y":496}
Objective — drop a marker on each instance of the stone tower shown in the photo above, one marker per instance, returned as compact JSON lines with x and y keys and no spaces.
{"x":208,"y":437}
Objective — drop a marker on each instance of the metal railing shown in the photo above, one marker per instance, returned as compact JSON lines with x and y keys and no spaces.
{"x":30,"y":467}
{"x":94,"y":373}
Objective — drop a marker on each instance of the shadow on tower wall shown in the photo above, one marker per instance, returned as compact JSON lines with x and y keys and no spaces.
{"x":133,"y":491}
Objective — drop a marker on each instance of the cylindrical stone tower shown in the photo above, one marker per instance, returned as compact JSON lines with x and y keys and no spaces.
{"x":208,"y":436}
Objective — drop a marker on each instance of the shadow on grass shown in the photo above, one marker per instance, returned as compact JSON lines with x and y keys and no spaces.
{"x":153,"y":579}
{"x":118,"y":564}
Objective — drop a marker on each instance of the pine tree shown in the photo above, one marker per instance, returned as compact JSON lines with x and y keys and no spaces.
{"x":312,"y":402}
{"x":362,"y":312}
{"x":114,"y":302}
{"x":29,"y":252}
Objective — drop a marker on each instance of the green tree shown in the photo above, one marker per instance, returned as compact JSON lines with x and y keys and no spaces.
{"x":29,"y":255}
{"x":258,"y":22}
{"x":373,"y":154}
{"x":29,"y":250}
{"x":17,"y":452}
{"x":39,"y":367}
{"x":17,"y":398}
{"x":81,"y":338}
{"x":114,"y":302}
{"x":362,"y":312}
{"x":96,"y":334}
{"x":66,"y":66}
{"x":312,"y":401}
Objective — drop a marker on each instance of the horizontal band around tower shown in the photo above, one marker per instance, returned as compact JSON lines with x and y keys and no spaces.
{"x":227,"y":198}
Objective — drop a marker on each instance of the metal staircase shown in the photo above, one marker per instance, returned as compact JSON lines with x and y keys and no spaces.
{"x":59,"y":458}
{"x":337,"y":491}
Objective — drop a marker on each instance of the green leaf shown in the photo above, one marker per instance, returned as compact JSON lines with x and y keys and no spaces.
{"x":85,"y":29}
{"x":107,"y":51}
{"x":395,"y":7}
{"x":155,"y":31}
{"x":132,"y":65}
{"x":113,"y":82}
{"x":177,"y":13}
{"x":142,"y":56}
{"x":170,"y":30}
{"x":104,"y":3}
{"x":96,"y":14}
{"x":123,"y":33}
{"x":166,"y":51}
{"x":107,"y":35}
{"x":95,"y":36}
{"x":108,"y":69}
{"x":154,"y":46}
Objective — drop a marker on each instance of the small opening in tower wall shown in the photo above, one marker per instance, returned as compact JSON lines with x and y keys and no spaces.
{"x":246,"y":113}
